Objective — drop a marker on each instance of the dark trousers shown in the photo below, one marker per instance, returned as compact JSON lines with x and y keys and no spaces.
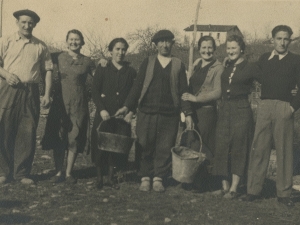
{"x":274,"y":124}
{"x":156,"y":135}
{"x":19,"y":115}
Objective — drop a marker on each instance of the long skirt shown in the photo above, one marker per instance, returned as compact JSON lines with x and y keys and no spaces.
{"x":234,"y":136}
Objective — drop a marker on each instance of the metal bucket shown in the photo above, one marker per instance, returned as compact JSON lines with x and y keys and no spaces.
{"x":114,"y":142}
{"x":185,"y":162}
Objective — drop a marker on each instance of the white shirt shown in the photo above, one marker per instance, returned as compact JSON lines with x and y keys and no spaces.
{"x":164,"y":61}
{"x":279,"y":55}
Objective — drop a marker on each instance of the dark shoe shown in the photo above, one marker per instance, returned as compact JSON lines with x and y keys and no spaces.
{"x":231,"y":195}
{"x":187,"y":187}
{"x":112,"y":185}
{"x":57,"y":179}
{"x":71,"y":180}
{"x":286,"y":201}
{"x":249,"y":198}
{"x":221,"y":192}
{"x":99,"y":184}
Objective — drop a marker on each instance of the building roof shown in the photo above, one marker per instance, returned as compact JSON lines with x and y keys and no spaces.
{"x":212,"y":28}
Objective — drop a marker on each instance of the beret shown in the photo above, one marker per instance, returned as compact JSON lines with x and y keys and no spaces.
{"x":162,"y":34}
{"x":27,"y":12}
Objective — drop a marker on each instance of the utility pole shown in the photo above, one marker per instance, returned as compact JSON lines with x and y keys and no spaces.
{"x":1,"y":16}
{"x":192,"y":44}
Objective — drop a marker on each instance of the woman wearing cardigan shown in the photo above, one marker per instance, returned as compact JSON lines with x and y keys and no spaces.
{"x":235,"y":121}
{"x":205,"y":89}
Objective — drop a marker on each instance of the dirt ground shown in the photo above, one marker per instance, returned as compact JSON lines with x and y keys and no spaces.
{"x":45,"y":203}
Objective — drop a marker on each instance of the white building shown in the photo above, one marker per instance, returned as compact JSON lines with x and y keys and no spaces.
{"x":218,"y":32}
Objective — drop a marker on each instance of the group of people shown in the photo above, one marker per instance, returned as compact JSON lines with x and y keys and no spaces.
{"x":158,"y":93}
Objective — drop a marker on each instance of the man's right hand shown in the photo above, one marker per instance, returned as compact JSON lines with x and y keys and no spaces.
{"x":104,"y":115}
{"x":103,"y":62}
{"x":12,"y":79}
{"x":122,"y":111}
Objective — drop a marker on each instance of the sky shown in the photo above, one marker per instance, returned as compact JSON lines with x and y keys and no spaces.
{"x":107,"y":19}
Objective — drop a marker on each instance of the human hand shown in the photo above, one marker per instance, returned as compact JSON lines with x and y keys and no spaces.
{"x":189,"y":123}
{"x":104,"y":115}
{"x":226,"y":61}
{"x":12,"y":79}
{"x":188,"y":97}
{"x":103,"y":62}
{"x":128,"y":117}
{"x":292,"y":109}
{"x":45,"y":101}
{"x":122,"y":111}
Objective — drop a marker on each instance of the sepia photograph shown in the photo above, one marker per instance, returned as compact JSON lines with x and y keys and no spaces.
{"x":180,"y":112}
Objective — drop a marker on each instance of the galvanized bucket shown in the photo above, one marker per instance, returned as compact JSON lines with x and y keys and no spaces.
{"x":186,"y":161}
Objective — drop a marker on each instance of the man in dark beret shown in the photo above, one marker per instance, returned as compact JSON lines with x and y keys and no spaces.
{"x":24,"y":58}
{"x":156,"y":92}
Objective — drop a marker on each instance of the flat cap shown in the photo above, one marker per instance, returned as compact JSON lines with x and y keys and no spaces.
{"x":162,"y":34}
{"x":27,"y":12}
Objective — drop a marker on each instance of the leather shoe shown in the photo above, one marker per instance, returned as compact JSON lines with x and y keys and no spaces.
{"x":286,"y":201}
{"x":249,"y":198}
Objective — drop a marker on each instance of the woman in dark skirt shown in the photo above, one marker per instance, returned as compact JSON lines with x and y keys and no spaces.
{"x":235,"y":121}
{"x":67,"y":125}
{"x":205,"y":89}
{"x":111,"y":86}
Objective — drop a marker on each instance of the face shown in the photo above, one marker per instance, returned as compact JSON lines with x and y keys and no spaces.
{"x":233,"y":50}
{"x":74,"y":42}
{"x":164,"y":47}
{"x":26,"y":25}
{"x":281,"y":42}
{"x":118,"y":52}
{"x":206,"y":50}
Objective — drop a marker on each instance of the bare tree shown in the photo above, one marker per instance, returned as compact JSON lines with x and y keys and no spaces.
{"x":95,"y":45}
{"x":141,"y":39}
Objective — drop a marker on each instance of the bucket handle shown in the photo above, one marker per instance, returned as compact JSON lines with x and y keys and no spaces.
{"x":111,"y":117}
{"x":200,"y":140}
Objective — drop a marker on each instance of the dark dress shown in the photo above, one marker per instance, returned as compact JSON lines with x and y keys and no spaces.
{"x":109,"y":92}
{"x":234,"y":131}
{"x":68,"y":120}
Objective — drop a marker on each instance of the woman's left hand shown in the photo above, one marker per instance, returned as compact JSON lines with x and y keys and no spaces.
{"x":188,"y":97}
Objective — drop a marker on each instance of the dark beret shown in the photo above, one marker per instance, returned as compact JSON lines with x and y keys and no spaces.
{"x":27,"y":12}
{"x":162,"y":34}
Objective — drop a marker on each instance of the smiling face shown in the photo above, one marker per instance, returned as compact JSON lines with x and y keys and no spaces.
{"x":74,"y":42}
{"x":118,"y":52}
{"x":233,"y":50}
{"x":26,"y":25}
{"x":207,"y":50}
{"x":281,"y":42}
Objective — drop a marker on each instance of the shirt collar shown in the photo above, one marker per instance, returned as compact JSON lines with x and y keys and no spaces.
{"x":18,"y":37}
{"x":281,"y":56}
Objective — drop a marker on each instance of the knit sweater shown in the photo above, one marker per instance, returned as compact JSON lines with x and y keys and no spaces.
{"x":280,"y":77}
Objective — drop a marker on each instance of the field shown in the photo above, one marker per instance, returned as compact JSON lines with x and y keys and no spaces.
{"x":45,"y":203}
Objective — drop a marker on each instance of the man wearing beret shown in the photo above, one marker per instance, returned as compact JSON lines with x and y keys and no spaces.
{"x":24,"y":58}
{"x":157,"y":89}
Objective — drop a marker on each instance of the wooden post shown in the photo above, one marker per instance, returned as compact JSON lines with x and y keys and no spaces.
{"x":192,"y":45}
{"x":1,"y":16}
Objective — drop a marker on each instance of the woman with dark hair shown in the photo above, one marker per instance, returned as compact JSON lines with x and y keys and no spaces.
{"x":111,"y":85}
{"x":205,"y":89}
{"x":235,"y":122}
{"x":67,"y":125}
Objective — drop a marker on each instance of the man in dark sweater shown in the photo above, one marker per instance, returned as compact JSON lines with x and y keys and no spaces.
{"x":156,"y":91}
{"x":280,"y":75}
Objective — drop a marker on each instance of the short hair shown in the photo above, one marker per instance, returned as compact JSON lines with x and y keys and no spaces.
{"x":207,"y":38}
{"x":115,"y":41}
{"x":284,"y":28}
{"x":74,"y":31}
{"x":238,"y":39}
